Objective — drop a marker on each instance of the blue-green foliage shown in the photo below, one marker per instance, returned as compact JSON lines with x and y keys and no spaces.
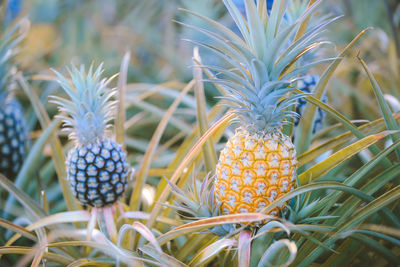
{"x":262,"y":61}
{"x":87,"y":115}
{"x":9,"y":40}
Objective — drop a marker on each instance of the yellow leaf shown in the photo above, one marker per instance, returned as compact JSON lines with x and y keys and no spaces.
{"x":324,"y":166}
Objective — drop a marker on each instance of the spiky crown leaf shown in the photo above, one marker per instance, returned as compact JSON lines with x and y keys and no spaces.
{"x":9,"y":41}
{"x":198,"y":202}
{"x":87,"y":114}
{"x":262,"y":61}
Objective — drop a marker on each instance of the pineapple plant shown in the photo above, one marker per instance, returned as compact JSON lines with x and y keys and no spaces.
{"x":96,"y":166}
{"x":258,"y":164}
{"x":13,"y":136}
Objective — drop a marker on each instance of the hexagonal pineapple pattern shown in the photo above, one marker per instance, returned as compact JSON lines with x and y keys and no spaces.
{"x":253,"y":171}
{"x":97,"y":172}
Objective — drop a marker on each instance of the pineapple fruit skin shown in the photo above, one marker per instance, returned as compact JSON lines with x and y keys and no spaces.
{"x":253,"y":171}
{"x":97,"y":172}
{"x":13,"y":138}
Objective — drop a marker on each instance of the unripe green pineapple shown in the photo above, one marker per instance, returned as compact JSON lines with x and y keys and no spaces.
{"x":13,"y":136}
{"x":96,"y":165}
{"x":258,"y":164}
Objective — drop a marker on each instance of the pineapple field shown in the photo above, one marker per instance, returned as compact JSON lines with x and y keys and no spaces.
{"x":200,"y":133}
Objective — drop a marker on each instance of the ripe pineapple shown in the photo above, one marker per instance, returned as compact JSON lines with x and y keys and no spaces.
{"x":258,"y":164}
{"x":13,"y":137}
{"x":96,"y":166}
{"x":253,"y":170}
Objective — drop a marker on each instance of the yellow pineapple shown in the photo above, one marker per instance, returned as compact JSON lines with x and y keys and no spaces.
{"x":258,"y":164}
{"x":253,"y":170}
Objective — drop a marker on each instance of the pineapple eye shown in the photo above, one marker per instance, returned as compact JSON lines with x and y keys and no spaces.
{"x":5,"y":150}
{"x":104,"y":176}
{"x":83,"y":151}
{"x":119,"y":188}
{"x":81,"y":188}
{"x":91,"y":170}
{"x":9,"y":122}
{"x":110,"y":197}
{"x":95,"y":149}
{"x":115,"y":155}
{"x":105,"y":153}
{"x":104,"y":188}
{"x":110,"y":166}
{"x":115,"y":178}
{"x":118,"y":167}
{"x":92,"y":182}
{"x":99,"y":162}
{"x":90,"y":157}
{"x":81,"y":177}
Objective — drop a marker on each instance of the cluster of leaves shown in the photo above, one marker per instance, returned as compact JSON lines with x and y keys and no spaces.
{"x":345,"y":203}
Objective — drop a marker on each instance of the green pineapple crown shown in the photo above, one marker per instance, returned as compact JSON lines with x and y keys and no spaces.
{"x":262,"y":61}
{"x":9,"y":40}
{"x":87,"y":114}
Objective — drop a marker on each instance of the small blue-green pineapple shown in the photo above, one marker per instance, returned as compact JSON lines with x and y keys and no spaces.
{"x":307,"y":85}
{"x":13,"y":137}
{"x":96,"y":165}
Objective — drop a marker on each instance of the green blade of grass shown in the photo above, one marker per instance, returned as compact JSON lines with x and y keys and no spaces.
{"x":324,"y":166}
{"x":57,"y":155}
{"x":336,"y":142}
{"x":62,"y":217}
{"x":370,"y":188}
{"x":22,"y":197}
{"x":147,"y":158}
{"x":30,"y":164}
{"x":383,"y":105}
{"x":304,"y":130}
{"x":209,"y":155}
{"x":163,"y":258}
{"x":189,"y":157}
{"x":205,"y":255}
{"x":356,"y":218}
{"x":53,"y":257}
{"x":185,"y":147}
{"x":346,"y":123}
{"x":17,"y":229}
{"x":120,"y":118}
{"x":198,"y":225}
